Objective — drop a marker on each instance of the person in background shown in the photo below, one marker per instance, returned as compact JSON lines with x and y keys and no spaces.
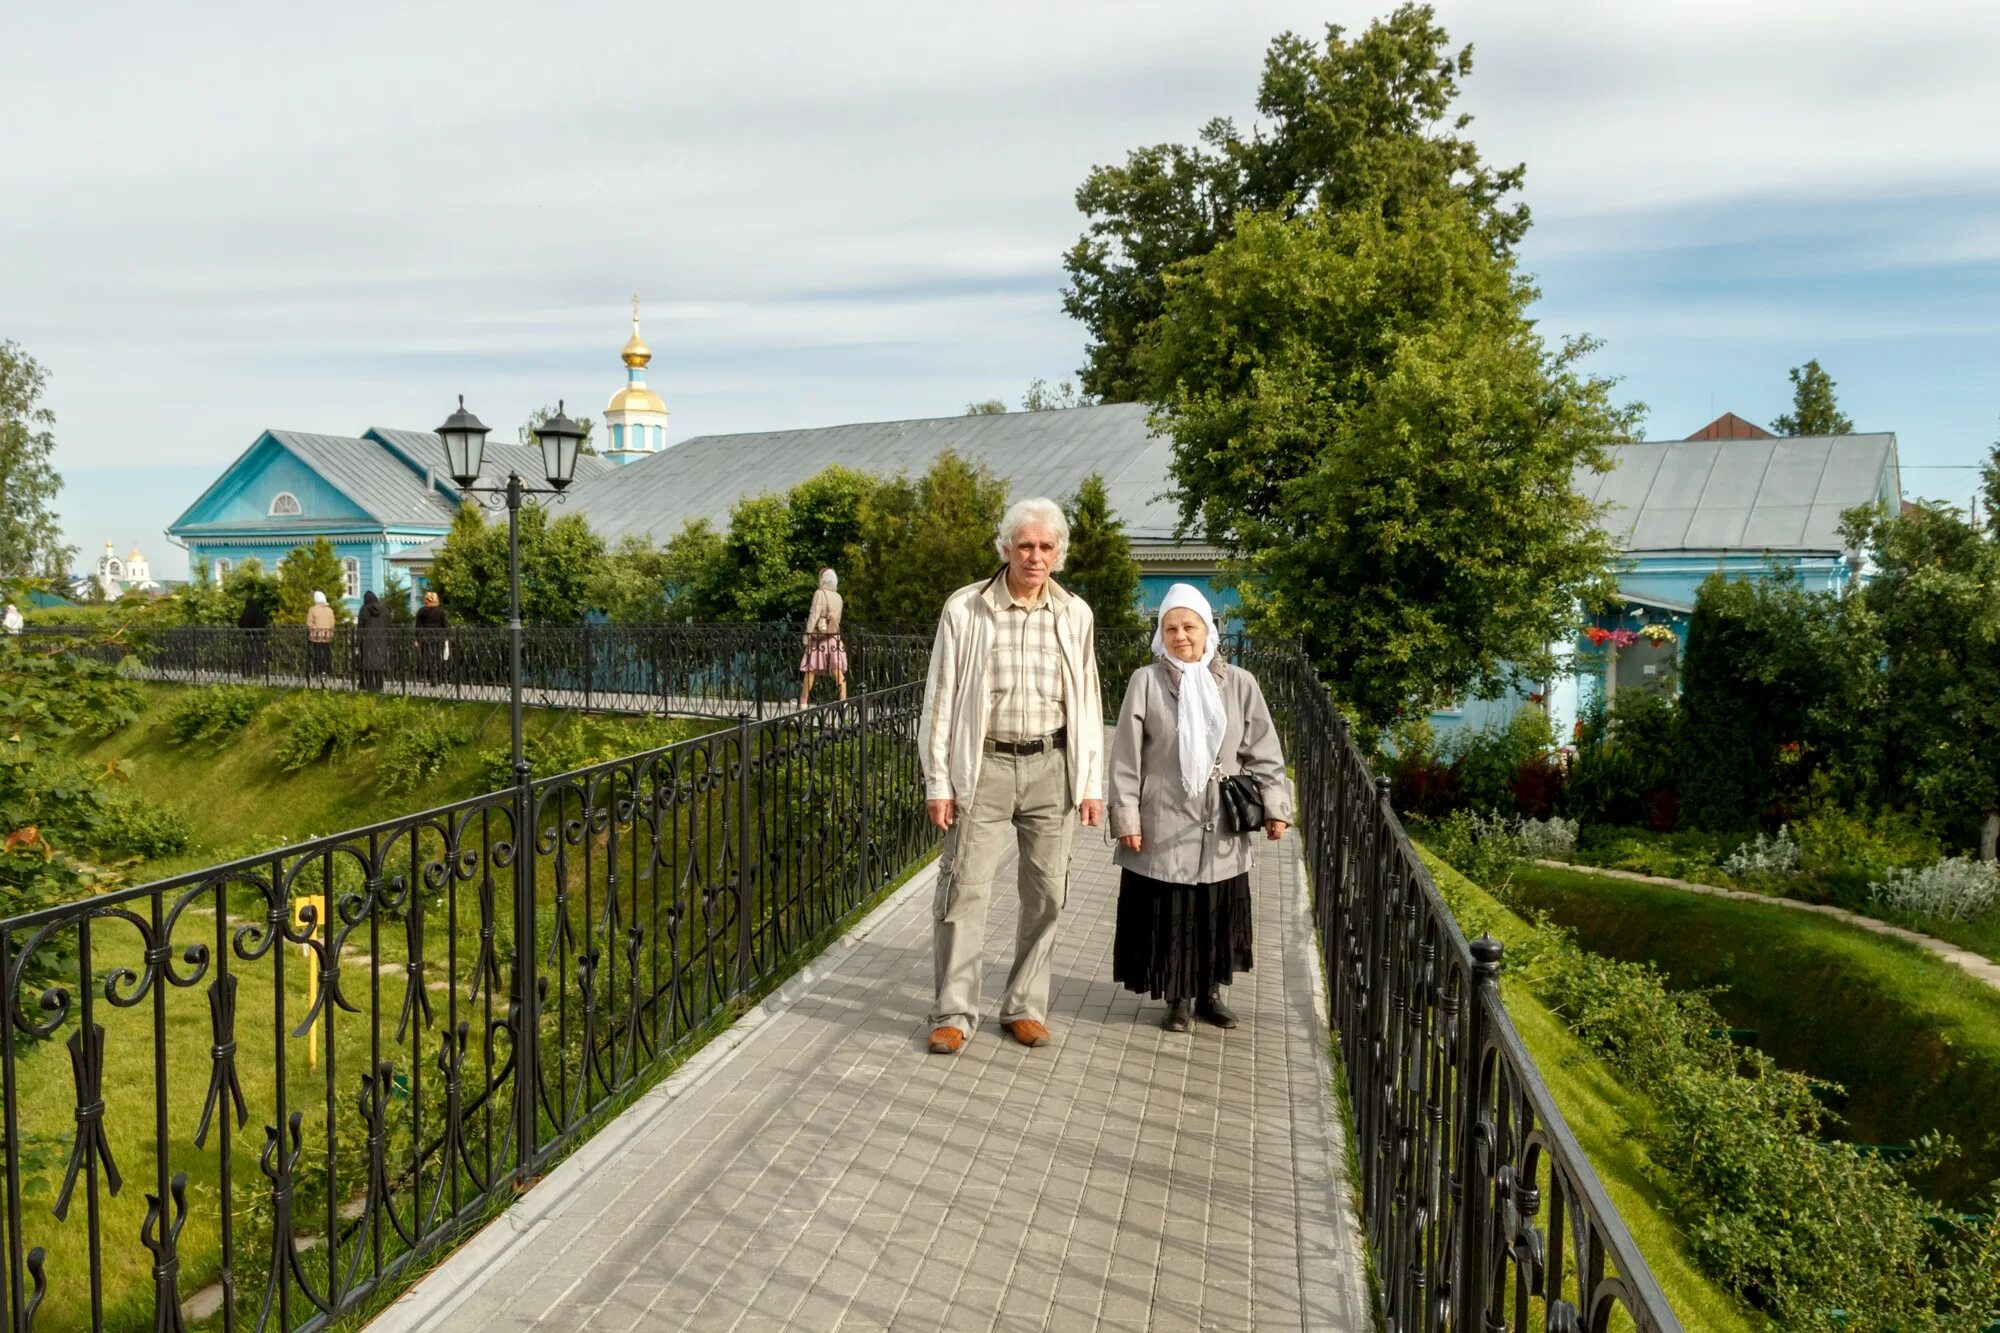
{"x":12,"y":619}
{"x":1183,"y":923}
{"x":825,"y":655}
{"x":1012,"y":749}
{"x":431,"y":625}
{"x":319,"y":639}
{"x":255,"y":623}
{"x":373,"y":632}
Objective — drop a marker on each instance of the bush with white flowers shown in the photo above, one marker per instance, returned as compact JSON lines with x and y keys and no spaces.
{"x":1957,"y":888}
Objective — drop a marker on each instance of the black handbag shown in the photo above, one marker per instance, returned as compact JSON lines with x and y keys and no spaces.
{"x":1242,"y":803}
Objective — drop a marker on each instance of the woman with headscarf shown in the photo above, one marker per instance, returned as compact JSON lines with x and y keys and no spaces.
{"x":255,"y":622}
{"x":1189,"y":719}
{"x":319,"y":638}
{"x":825,"y":653}
{"x":374,"y":636}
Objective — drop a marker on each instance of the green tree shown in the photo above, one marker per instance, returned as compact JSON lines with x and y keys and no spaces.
{"x":761,"y":581}
{"x":31,"y":544}
{"x":396,"y":598}
{"x":1045,"y":397}
{"x":992,"y":407}
{"x":203,"y":601}
{"x":1937,"y":633}
{"x":1365,"y":421}
{"x":1361,"y":122}
{"x":923,"y":540}
{"x":542,"y":414}
{"x":559,"y":559}
{"x":1989,"y":489}
{"x":1100,"y":568}
{"x":631,"y":585}
{"x":826,"y":514}
{"x":304,"y":571}
{"x":1814,"y":412}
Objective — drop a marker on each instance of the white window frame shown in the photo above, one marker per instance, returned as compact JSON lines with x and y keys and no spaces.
{"x":222,"y":568}
{"x":350,"y":577}
{"x":296,"y":508}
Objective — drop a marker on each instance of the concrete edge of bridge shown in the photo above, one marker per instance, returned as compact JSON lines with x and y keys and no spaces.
{"x":483,"y":1255}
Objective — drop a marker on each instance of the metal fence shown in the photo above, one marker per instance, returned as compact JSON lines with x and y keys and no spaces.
{"x":464,"y":1009}
{"x":262,"y":1089}
{"x":687,"y":670}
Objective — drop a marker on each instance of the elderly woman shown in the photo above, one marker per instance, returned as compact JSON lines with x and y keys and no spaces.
{"x":825,"y":654}
{"x":1188,"y":719}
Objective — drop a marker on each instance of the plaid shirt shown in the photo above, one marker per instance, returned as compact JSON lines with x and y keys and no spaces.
{"x":1024,"y":674}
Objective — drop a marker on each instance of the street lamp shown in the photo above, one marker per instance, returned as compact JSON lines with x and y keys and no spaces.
{"x":464,"y":437}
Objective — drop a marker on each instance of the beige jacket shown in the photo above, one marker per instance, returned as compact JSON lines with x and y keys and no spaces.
{"x":952,"y":744}
{"x":823,"y":617}
{"x":319,"y":623}
{"x":1183,"y":837}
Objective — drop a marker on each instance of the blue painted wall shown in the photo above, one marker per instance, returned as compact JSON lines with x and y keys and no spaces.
{"x":246,"y":493}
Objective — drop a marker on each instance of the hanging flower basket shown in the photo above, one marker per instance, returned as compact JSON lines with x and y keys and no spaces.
{"x":1621,"y":638}
{"x":1657,"y":634}
{"x":1598,"y":635}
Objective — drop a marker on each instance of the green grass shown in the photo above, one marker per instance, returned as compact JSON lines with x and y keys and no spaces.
{"x":242,"y":802}
{"x":1606,"y":1118}
{"x":1913,"y":1039}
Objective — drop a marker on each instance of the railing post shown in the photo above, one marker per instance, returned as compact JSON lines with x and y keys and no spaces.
{"x":746,"y":885}
{"x":861,"y":785}
{"x":1469,"y":1294}
{"x":586,"y":666}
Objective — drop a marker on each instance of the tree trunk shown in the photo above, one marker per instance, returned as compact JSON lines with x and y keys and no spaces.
{"x":1989,"y":836}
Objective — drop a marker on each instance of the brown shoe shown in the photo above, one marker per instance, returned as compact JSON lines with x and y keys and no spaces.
{"x":1028,"y":1032}
{"x":946,"y":1041}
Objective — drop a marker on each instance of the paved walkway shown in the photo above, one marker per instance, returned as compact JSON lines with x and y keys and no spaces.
{"x":1981,"y":968}
{"x":824,"y":1172}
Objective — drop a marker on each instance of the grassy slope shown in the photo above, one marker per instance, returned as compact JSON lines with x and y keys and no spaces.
{"x":1914,"y":1040}
{"x":241,"y":801}
{"x":1603,"y":1115}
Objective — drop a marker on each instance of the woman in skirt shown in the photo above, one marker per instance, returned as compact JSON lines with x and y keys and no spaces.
{"x":825,"y":654}
{"x":1184,"y":889}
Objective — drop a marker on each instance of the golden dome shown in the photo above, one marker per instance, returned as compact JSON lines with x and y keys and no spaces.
{"x":635,"y":353}
{"x":635,"y":398}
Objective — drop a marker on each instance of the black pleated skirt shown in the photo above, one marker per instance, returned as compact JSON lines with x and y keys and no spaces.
{"x":1179,"y":941}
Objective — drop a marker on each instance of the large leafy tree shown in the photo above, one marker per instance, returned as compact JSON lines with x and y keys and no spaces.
{"x":542,"y":414}
{"x":559,"y":559}
{"x":1814,"y":410}
{"x":304,"y":571}
{"x":204,"y":601}
{"x":1100,"y":568}
{"x":1362,"y":121}
{"x":1937,"y":624}
{"x":922,"y":540}
{"x":1366,"y":422}
{"x":30,"y":537}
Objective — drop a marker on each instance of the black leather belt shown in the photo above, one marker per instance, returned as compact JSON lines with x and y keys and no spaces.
{"x":1053,"y":741}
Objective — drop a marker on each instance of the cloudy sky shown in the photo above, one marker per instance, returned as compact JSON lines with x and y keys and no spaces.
{"x":225,"y":217}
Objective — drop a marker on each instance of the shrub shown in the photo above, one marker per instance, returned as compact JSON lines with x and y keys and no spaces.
{"x":1764,"y":857}
{"x":417,"y":743}
{"x":1486,"y":764}
{"x":556,"y":751}
{"x":1685,"y":854}
{"x":1847,"y":853}
{"x":214,"y":714}
{"x":1546,"y":839}
{"x":318,"y":725}
{"x":1493,"y":844}
{"x":1421,"y":782}
{"x":1623,"y":772}
{"x":1954,"y":889}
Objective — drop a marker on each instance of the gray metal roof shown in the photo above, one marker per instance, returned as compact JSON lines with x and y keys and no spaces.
{"x":1036,"y":453}
{"x":424,"y":449}
{"x":1754,"y":495}
{"x":385,"y":486}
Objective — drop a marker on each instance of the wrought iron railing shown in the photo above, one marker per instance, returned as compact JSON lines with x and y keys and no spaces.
{"x":1459,"y":1140}
{"x":692,"y":670}
{"x":263,"y":1089}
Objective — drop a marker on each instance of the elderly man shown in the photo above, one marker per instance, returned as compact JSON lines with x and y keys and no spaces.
{"x":1013,"y":739}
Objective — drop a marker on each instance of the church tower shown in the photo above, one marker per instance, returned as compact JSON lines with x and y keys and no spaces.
{"x":635,"y":417}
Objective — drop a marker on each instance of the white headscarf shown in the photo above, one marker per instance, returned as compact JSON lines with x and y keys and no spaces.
{"x":829,"y":580}
{"x":1201,"y":719}
{"x":319,"y":599}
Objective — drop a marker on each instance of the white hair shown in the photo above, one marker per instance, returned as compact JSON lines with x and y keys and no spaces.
{"x":829,"y":580}
{"x":1039,"y":512}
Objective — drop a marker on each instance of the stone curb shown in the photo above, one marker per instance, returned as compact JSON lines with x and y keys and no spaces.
{"x":1979,"y":968}
{"x":483,"y":1256}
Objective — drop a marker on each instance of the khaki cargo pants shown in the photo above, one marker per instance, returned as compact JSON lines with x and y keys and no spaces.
{"x":1027,"y":795}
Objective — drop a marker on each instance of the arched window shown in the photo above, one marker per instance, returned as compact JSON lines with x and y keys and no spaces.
{"x":350,"y":578}
{"x":617,"y":437}
{"x":285,"y":505}
{"x":222,"y":568}
{"x":114,"y":568}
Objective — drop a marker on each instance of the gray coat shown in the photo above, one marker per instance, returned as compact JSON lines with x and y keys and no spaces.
{"x":1184,"y":838}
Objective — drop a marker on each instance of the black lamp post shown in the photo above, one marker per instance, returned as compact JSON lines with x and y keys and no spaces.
{"x":561,"y":440}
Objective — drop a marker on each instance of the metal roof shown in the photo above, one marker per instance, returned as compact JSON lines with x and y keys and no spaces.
{"x":423,"y":449}
{"x":1036,"y":453}
{"x":1756,"y":495}
{"x":384,"y":485}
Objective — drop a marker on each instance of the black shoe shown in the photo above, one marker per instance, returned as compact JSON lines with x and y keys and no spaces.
{"x":1177,"y":1017}
{"x":1213,"y":1010}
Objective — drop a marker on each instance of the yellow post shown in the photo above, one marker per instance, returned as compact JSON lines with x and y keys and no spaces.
{"x":317,"y":902}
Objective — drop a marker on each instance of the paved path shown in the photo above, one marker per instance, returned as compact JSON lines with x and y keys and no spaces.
{"x":825,"y":1172}
{"x":1980,"y":967}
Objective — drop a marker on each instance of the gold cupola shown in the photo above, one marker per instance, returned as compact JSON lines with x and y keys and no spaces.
{"x":636,"y":417}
